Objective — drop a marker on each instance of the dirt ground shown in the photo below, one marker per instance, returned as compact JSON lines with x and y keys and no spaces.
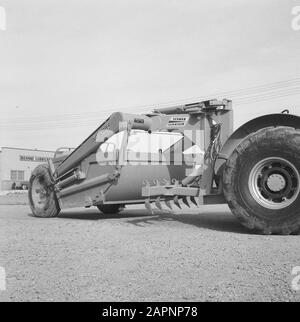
{"x":183,"y":256}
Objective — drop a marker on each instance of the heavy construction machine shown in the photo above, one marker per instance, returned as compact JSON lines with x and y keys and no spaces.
{"x":181,"y":156}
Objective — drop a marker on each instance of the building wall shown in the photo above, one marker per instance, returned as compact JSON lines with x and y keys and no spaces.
{"x":16,"y":165}
{"x":0,"y":168}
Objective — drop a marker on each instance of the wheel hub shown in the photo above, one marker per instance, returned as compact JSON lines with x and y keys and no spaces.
{"x":276,"y":182}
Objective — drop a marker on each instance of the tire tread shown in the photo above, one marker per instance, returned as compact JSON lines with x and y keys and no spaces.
{"x":284,"y":135}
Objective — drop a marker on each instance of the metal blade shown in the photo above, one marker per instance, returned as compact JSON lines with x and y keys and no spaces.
{"x":176,"y":202}
{"x":168,"y":203}
{"x":185,"y":201}
{"x":193,"y":200}
{"x":157,"y":203}
{"x":148,"y":206}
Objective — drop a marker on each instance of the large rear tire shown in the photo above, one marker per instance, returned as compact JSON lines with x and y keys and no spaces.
{"x":42,"y":198}
{"x":261,"y":181}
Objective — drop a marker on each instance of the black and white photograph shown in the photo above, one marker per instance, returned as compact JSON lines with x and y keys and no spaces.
{"x":149,"y":153}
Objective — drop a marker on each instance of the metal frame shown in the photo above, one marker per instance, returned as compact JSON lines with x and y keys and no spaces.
{"x":80,"y":181}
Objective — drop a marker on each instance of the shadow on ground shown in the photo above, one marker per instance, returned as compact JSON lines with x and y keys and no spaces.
{"x":215,"y":220}
{"x":222,"y":221}
{"x":97,"y":215}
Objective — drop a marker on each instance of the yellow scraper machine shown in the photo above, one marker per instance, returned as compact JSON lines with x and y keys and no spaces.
{"x":181,"y":156}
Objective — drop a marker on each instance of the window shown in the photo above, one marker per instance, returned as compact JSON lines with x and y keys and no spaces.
{"x":13,"y":175}
{"x":16,"y":175}
{"x":21,"y":175}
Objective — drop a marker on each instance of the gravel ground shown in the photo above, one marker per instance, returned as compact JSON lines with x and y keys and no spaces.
{"x":84,"y":255}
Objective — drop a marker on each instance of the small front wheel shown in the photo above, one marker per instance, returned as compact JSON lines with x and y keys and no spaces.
{"x":42,"y":198}
{"x":261,"y":181}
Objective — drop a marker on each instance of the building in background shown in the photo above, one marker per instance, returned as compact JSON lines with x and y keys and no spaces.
{"x":17,"y":164}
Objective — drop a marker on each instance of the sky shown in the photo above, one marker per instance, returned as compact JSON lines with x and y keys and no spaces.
{"x":66,"y":65}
